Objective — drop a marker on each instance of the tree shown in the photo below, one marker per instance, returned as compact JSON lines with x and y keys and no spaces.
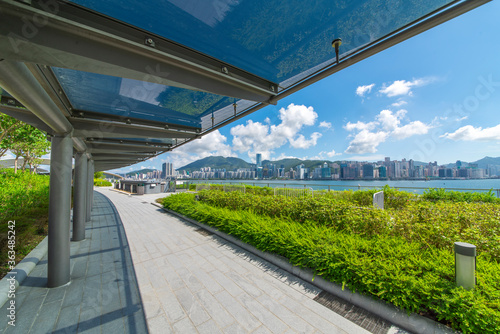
{"x":7,"y":126}
{"x":28,"y":142}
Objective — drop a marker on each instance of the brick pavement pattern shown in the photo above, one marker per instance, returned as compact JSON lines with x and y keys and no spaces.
{"x":102,"y":297}
{"x":194,"y":283}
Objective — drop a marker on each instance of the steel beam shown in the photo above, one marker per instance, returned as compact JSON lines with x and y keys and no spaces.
{"x":80,"y":39}
{"x":80,"y":196}
{"x":27,"y":117}
{"x":17,"y":79}
{"x":119,"y":157}
{"x":59,"y":211}
{"x":87,"y":128}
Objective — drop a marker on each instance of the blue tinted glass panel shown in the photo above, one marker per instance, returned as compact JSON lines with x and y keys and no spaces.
{"x":281,"y":41}
{"x":127,"y":98}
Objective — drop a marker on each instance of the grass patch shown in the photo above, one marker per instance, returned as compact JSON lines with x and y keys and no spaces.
{"x":24,"y":199}
{"x":102,"y":183}
{"x":365,"y":249}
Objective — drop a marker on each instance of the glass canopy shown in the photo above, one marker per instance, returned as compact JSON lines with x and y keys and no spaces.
{"x":273,"y":39}
{"x":152,"y":75}
{"x":132,"y":99}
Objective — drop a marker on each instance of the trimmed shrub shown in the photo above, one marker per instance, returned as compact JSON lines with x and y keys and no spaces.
{"x":414,"y":276}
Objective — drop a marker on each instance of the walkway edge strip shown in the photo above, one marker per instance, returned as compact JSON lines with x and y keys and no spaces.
{"x":414,"y":323}
{"x":22,"y":270}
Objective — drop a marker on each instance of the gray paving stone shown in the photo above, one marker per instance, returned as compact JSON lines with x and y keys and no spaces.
{"x":269,"y":320}
{"x":159,"y":325}
{"x":191,"y":306}
{"x":47,"y":317}
{"x":171,"y":305}
{"x":227,"y":283}
{"x":74,"y":293}
{"x":285,"y":315}
{"x":184,"y":326}
{"x":136,"y":323}
{"x":67,"y":321}
{"x":25,"y":315}
{"x":246,"y":285}
{"x":216,"y":311}
{"x":55,"y":294}
{"x":208,"y":327}
{"x":234,"y":328}
{"x":112,"y":322}
{"x":90,"y":320}
{"x":261,"y":330}
{"x":242,"y":315}
{"x":79,"y":269}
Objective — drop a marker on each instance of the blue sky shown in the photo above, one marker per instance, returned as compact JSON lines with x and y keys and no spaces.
{"x":434,"y":97}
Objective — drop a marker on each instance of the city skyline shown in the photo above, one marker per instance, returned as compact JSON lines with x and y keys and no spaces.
{"x":338,"y":170}
{"x":428,"y":99}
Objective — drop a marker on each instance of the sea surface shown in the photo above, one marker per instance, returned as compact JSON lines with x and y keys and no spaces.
{"x":479,"y":185}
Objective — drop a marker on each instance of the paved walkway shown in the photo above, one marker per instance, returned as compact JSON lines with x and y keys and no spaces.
{"x":103,"y":295}
{"x":191,"y":282}
{"x":142,"y":270}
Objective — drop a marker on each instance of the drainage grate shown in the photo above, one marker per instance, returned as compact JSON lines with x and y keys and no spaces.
{"x":359,"y":316}
{"x":204,"y":232}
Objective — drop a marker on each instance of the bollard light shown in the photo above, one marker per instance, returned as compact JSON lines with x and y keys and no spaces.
{"x":465,"y":265}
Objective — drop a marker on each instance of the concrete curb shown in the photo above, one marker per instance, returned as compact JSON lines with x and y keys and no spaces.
{"x":414,"y":323}
{"x":23,"y":269}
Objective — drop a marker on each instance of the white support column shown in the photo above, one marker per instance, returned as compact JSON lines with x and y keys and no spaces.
{"x":59,"y":211}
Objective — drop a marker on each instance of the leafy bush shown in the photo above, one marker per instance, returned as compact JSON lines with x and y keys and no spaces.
{"x":440,"y":194}
{"x":411,"y":275}
{"x":22,"y":191}
{"x":24,"y":198}
{"x":437,"y":224}
{"x":440,"y":224}
{"x":102,"y":183}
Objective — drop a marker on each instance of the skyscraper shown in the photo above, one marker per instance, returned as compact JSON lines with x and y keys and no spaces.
{"x":167,"y":169}
{"x":258,"y":159}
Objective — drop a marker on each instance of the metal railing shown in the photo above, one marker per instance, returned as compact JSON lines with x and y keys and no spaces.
{"x":337,"y":187}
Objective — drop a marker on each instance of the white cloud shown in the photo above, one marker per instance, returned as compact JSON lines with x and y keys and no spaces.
{"x":388,"y":120}
{"x":470,"y":133}
{"x":411,"y":129}
{"x":325,"y":125}
{"x":212,"y":144}
{"x":332,"y":153}
{"x":360,"y":126}
{"x":399,"y":103}
{"x":366,"y":142}
{"x":386,"y":125}
{"x":256,"y":137}
{"x":302,"y":142}
{"x":403,"y":87}
{"x":362,"y":90}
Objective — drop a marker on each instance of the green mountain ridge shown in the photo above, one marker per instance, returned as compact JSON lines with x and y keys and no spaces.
{"x":231,"y":163}
{"x":216,"y":162}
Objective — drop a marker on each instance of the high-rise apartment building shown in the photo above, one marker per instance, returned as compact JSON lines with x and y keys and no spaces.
{"x":167,"y":169}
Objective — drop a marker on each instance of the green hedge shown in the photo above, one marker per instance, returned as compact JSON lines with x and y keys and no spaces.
{"x":437,"y":224}
{"x":411,"y":275}
{"x":102,"y":183}
{"x":24,"y":198}
{"x":21,"y":192}
{"x":440,"y":194}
